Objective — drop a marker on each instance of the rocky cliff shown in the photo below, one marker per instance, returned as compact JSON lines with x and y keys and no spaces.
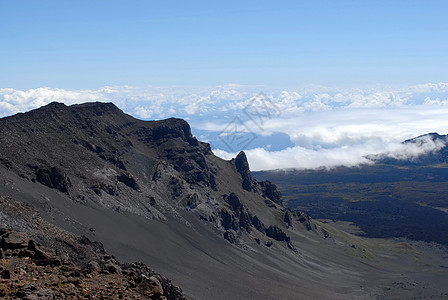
{"x":94,"y":153}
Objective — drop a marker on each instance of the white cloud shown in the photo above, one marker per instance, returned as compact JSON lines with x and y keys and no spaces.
{"x":21,"y":101}
{"x":328,"y":126}
{"x":302,"y":158}
{"x":143,"y":113}
{"x":353,"y":155}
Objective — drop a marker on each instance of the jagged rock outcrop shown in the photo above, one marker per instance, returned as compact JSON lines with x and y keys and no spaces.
{"x":239,"y":217}
{"x":277,"y":234}
{"x":242,"y":166}
{"x":53,"y":178}
{"x":270,"y":191}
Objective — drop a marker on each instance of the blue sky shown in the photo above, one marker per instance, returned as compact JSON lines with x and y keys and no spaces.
{"x":91,"y":44}
{"x":346,"y":78}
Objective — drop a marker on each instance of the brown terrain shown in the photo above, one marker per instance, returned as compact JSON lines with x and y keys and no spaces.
{"x":68,"y":266}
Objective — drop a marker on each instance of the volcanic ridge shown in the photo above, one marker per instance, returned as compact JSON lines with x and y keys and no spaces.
{"x":75,"y":180}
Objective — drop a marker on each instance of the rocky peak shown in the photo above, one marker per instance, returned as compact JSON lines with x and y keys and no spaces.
{"x":433,"y":136}
{"x":241,"y":163}
{"x":89,"y":108}
{"x":173,"y":128}
{"x":96,"y":109}
{"x":54,"y":106}
{"x":242,"y":166}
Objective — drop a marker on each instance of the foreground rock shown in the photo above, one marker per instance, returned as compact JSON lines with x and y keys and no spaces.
{"x":74,"y":268}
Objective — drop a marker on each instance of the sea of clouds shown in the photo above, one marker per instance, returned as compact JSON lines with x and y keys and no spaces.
{"x":303,"y":127}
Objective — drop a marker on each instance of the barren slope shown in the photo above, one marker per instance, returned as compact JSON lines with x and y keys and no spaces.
{"x":149,"y":191}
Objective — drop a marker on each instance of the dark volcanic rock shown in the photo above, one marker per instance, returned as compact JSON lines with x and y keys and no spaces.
{"x":53,"y":178}
{"x":235,"y":203}
{"x":242,"y":166}
{"x":239,"y":217}
{"x":288,"y":219}
{"x":128,"y":181}
{"x":258,"y":224}
{"x":172,"y":129}
{"x":270,"y":191}
{"x":277,"y":234}
{"x":5,"y":274}
{"x":228,"y":220}
{"x":230,"y":236}
{"x":12,"y":240}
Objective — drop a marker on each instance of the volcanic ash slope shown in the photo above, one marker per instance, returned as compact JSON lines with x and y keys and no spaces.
{"x":150,"y":192}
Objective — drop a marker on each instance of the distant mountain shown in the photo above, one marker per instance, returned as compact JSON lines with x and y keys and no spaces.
{"x":151,"y":192}
{"x":430,"y":148}
{"x":422,"y":139}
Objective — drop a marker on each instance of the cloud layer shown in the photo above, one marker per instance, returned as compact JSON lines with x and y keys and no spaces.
{"x":326,"y":126}
{"x":353,"y":155}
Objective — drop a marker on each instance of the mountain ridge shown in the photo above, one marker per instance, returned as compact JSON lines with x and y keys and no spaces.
{"x":95,"y":156}
{"x":193,"y":161}
{"x":150,"y":191}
